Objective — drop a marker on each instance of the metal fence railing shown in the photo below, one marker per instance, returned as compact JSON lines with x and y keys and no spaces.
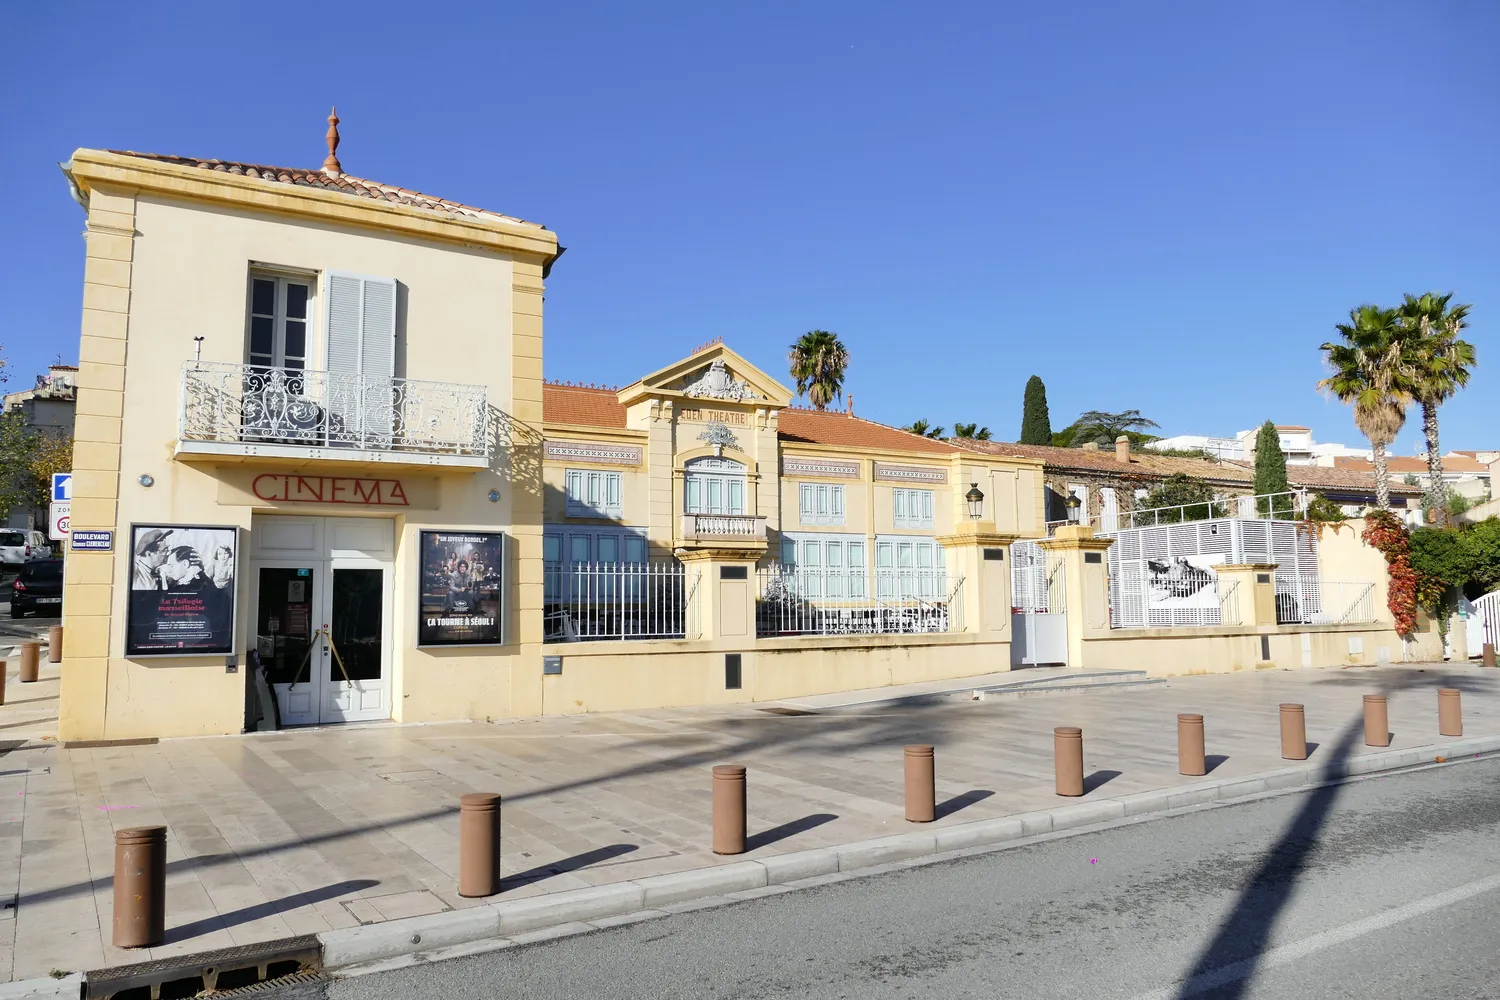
{"x":1037,"y":581}
{"x":1182,"y":596}
{"x":812,"y":602}
{"x":255,"y":404}
{"x":1289,"y":506}
{"x":597,"y":600}
{"x":1307,"y":600}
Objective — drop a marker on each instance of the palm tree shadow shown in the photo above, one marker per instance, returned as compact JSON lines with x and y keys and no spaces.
{"x":1227,"y":965}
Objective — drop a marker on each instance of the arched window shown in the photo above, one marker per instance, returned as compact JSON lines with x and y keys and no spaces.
{"x":714,"y":486}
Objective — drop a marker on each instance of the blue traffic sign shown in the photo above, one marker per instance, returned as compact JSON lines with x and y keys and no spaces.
{"x":62,"y":487}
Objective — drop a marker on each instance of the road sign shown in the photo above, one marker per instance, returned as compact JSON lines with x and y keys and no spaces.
{"x":93,"y":541}
{"x":62,"y":487}
{"x":58,"y":515}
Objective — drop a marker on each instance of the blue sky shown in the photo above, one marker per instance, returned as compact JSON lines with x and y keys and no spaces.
{"x":1161,"y":206}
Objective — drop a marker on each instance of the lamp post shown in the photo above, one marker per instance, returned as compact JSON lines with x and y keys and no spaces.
{"x":976,"y":501}
{"x":1073,"y":504}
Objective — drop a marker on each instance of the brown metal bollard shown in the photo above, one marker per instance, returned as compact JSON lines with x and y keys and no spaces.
{"x":729,"y":809}
{"x":54,"y":644}
{"x":1293,"y":732}
{"x":3,"y":665}
{"x":1190,"y":745}
{"x":479,"y":844}
{"x":1377,"y":725}
{"x":1067,"y":752}
{"x":1489,"y":654}
{"x":1450,"y":712}
{"x":140,"y":887}
{"x":31,"y":653}
{"x":921,"y":784}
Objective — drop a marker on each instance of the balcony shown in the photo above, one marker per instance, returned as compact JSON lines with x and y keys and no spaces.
{"x":232,"y":411}
{"x":737,"y":532}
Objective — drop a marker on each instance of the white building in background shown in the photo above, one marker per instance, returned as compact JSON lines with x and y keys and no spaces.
{"x":1296,"y":443}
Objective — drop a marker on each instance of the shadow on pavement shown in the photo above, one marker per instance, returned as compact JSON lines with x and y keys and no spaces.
{"x":963,"y":801}
{"x":1226,"y":967}
{"x":785,"y":830}
{"x":577,"y":861}
{"x":1098,"y":779}
{"x":1212,"y":761}
{"x":267,"y":909}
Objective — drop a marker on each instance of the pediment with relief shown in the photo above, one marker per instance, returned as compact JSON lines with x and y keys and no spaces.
{"x":713,"y":373}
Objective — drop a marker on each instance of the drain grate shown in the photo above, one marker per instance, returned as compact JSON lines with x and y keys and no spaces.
{"x":226,"y":972}
{"x":271,"y":986}
{"x":784,"y":710}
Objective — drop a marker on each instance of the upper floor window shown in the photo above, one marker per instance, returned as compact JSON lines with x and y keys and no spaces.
{"x":913,"y":508}
{"x":278,"y":322}
{"x":592,"y":493}
{"x":714,"y":486}
{"x":820,"y":503}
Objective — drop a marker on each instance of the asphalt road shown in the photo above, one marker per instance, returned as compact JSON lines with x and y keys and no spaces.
{"x":1378,"y":888}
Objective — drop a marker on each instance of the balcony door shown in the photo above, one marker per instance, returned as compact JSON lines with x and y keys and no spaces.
{"x":278,"y":323}
{"x":322,"y":626}
{"x":714,"y":486}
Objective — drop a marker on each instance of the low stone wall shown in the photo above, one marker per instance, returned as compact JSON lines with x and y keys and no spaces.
{"x":628,"y":676}
{"x":1169,"y":652}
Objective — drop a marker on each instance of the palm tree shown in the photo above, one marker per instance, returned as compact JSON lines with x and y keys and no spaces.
{"x":922,"y":429}
{"x":1443,"y":363}
{"x":971,"y":432}
{"x":1373,"y":367}
{"x":819,"y":361}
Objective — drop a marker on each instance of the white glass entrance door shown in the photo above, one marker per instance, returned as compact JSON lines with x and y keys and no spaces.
{"x":322,"y":625}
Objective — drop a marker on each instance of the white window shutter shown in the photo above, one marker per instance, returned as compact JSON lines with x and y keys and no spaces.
{"x":378,"y":342}
{"x":343,"y":322}
{"x":360,"y":348}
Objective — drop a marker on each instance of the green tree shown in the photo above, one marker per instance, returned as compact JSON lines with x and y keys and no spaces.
{"x":1320,"y":508}
{"x":1270,"y":473}
{"x":1183,"y":497}
{"x":1443,"y":361}
{"x":1372,"y":368}
{"x":819,"y":361}
{"x":1036,"y":422}
{"x":971,"y":432}
{"x":1103,"y":428}
{"x":28,"y":457}
{"x":922,"y":429}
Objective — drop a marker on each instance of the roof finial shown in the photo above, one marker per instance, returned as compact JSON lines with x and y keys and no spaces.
{"x":331,"y":165}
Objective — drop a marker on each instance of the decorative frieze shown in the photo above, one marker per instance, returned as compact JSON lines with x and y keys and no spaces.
{"x":598,"y":452}
{"x":825,"y":467}
{"x":909,"y":473}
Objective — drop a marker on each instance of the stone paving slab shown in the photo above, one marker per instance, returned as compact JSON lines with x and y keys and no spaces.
{"x":308,"y":831}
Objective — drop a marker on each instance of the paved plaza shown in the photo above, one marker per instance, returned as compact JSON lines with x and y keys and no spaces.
{"x":277,"y":834}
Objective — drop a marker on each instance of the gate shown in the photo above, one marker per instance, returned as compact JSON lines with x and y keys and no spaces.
{"x":1038,"y":605}
{"x":1484,"y":626}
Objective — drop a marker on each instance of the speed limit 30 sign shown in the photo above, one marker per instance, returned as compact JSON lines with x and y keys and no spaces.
{"x":58,"y":515}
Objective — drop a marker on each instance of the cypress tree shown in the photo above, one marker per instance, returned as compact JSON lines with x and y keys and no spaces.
{"x":1270,"y":469}
{"x":1036,"y":424}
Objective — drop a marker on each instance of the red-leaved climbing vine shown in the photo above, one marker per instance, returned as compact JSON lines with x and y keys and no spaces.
{"x":1385,"y":532}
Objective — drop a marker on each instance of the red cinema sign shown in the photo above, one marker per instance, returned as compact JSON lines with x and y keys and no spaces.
{"x":330,"y":489}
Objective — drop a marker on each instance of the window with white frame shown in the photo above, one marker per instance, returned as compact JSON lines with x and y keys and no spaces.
{"x":820,"y":503}
{"x":593,"y":493}
{"x":825,"y":565}
{"x":909,"y":567}
{"x":278,"y":335}
{"x":913,"y":508}
{"x":714,"y":486}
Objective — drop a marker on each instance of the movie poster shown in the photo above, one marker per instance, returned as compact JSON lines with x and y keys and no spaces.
{"x":461,"y":577}
{"x":1184,"y":581}
{"x":181,"y":590}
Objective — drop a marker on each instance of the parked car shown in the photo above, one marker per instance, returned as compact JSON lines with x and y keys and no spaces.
{"x":18,"y":546}
{"x":38,"y":588}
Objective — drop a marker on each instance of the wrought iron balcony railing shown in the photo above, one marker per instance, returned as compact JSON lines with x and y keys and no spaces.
{"x":253,"y":405}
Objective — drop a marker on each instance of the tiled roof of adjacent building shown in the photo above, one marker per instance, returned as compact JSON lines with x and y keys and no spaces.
{"x":835,"y":428}
{"x":358,"y":187}
{"x":1142,"y":463}
{"x":590,"y":406}
{"x":1321,"y":477}
{"x":1454,"y":462}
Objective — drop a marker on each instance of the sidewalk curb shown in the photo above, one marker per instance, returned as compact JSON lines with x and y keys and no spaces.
{"x":516,"y":921}
{"x":382,"y":942}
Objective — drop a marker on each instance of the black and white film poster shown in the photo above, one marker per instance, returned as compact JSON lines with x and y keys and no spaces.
{"x":181,"y":590}
{"x":461,"y":577}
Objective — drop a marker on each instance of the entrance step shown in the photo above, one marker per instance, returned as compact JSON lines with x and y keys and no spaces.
{"x":1030,"y":682}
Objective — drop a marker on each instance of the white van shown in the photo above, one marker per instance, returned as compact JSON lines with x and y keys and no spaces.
{"x":18,"y":545}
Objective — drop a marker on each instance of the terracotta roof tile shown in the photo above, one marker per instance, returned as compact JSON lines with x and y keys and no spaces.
{"x":1321,"y":477}
{"x":1142,"y":463}
{"x":586,"y":405}
{"x":1402,"y":464}
{"x":831,"y":427}
{"x":344,"y":183}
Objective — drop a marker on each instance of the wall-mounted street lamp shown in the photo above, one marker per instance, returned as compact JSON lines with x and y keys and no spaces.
{"x":976,"y":501}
